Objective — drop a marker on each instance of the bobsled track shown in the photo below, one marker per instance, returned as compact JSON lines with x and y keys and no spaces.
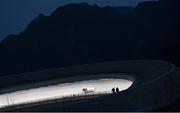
{"x":145,"y":85}
{"x":62,"y":91}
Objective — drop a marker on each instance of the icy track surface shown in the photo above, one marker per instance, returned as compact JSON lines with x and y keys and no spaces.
{"x":101,"y":86}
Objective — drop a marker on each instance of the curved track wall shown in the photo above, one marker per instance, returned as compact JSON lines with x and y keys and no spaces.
{"x":156,"y":84}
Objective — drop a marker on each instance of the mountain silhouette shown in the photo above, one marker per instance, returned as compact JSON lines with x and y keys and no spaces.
{"x":82,"y":33}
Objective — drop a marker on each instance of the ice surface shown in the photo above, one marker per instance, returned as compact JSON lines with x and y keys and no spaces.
{"x":62,"y":90}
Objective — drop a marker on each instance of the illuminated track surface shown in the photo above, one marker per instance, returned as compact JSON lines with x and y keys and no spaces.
{"x":61,"y":91}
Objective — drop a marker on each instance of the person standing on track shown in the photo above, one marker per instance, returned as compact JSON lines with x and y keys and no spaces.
{"x":117,"y":89}
{"x":113,"y":90}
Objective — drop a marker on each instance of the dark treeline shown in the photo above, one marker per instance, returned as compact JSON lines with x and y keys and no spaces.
{"x":82,"y":33}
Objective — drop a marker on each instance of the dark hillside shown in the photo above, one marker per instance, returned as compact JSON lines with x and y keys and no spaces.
{"x":83,"y":33}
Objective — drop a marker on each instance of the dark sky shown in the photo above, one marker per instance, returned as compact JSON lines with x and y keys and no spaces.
{"x":16,"y":14}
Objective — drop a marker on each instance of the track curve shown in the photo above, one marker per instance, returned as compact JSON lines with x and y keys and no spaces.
{"x":156,"y":84}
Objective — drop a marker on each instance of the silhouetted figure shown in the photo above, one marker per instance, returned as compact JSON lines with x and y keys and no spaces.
{"x":113,"y":90}
{"x":117,"y":90}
